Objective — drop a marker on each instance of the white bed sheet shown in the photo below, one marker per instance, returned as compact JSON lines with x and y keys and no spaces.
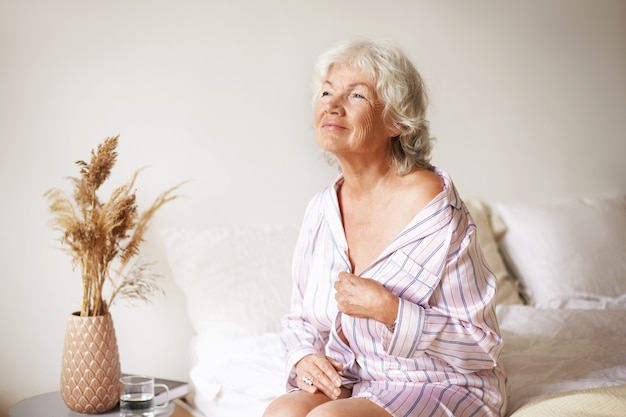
{"x":545,"y":351}
{"x":552,"y":351}
{"x":236,"y":378}
{"x":233,"y":404}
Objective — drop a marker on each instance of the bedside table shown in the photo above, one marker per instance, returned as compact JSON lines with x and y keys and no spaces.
{"x":51,"y":405}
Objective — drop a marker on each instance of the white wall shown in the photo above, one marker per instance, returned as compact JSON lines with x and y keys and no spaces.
{"x":528,"y":103}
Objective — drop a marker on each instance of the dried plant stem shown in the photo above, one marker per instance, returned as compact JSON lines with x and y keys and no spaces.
{"x":103,"y":238}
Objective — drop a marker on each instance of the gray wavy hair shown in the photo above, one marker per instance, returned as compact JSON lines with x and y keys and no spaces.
{"x":398,"y":85}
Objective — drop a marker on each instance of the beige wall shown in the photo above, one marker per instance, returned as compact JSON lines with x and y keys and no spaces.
{"x":528,"y":103}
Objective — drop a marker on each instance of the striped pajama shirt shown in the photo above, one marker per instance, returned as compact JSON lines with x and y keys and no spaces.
{"x":441,"y":358}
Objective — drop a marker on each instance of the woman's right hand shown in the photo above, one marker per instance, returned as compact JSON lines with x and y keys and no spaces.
{"x":322,"y":373}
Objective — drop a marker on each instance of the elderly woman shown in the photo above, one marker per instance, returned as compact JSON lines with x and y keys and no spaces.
{"x":392,"y":311}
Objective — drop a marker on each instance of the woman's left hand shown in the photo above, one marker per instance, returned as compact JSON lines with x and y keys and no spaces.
{"x":318,"y":372}
{"x":365,"y":298}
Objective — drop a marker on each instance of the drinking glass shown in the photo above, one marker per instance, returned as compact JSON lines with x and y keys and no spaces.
{"x":137,"y":397}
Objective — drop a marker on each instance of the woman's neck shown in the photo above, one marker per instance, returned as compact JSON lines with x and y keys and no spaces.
{"x":365,"y":180}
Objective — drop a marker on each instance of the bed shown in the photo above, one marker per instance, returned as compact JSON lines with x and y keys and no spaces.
{"x":561,"y":270}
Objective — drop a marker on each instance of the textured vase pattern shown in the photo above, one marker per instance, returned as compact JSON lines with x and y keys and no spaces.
{"x":91,"y":370}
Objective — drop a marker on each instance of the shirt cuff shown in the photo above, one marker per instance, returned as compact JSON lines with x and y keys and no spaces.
{"x":408,"y":330}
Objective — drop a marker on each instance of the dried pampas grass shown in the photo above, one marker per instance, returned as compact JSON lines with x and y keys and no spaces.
{"x":103,"y":238}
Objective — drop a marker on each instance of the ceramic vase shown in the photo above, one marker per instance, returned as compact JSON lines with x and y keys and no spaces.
{"x":90,"y":368}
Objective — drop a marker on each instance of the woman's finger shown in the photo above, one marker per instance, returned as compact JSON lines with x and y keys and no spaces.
{"x":327,"y":379}
{"x":317,"y":372}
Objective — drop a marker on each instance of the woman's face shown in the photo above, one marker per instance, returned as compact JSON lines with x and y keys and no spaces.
{"x":349,"y":115}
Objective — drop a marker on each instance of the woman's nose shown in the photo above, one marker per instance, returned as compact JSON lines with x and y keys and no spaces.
{"x":334,"y":104}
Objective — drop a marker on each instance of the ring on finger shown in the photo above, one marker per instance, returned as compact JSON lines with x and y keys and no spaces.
{"x":307,"y":380}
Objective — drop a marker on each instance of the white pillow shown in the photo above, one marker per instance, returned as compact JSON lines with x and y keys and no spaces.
{"x":567,"y":250}
{"x":237,"y":284}
{"x":237,"y":281}
{"x":508,"y":290}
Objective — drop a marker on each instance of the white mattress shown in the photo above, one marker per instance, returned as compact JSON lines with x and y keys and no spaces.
{"x":551,"y":351}
{"x":546,"y":351}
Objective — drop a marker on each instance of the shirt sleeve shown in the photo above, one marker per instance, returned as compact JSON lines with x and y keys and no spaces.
{"x":299,"y":336}
{"x":458,"y":324}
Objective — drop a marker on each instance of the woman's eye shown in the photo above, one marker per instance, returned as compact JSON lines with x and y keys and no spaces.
{"x":325,"y":93}
{"x":357,"y":95}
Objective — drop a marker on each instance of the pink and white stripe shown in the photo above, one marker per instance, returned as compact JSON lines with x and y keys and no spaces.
{"x":442,"y":357}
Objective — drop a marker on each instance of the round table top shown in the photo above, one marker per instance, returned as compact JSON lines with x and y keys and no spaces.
{"x":51,"y":405}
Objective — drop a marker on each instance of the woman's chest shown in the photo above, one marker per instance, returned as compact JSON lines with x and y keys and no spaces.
{"x":369,"y":232}
{"x":409,"y":271}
